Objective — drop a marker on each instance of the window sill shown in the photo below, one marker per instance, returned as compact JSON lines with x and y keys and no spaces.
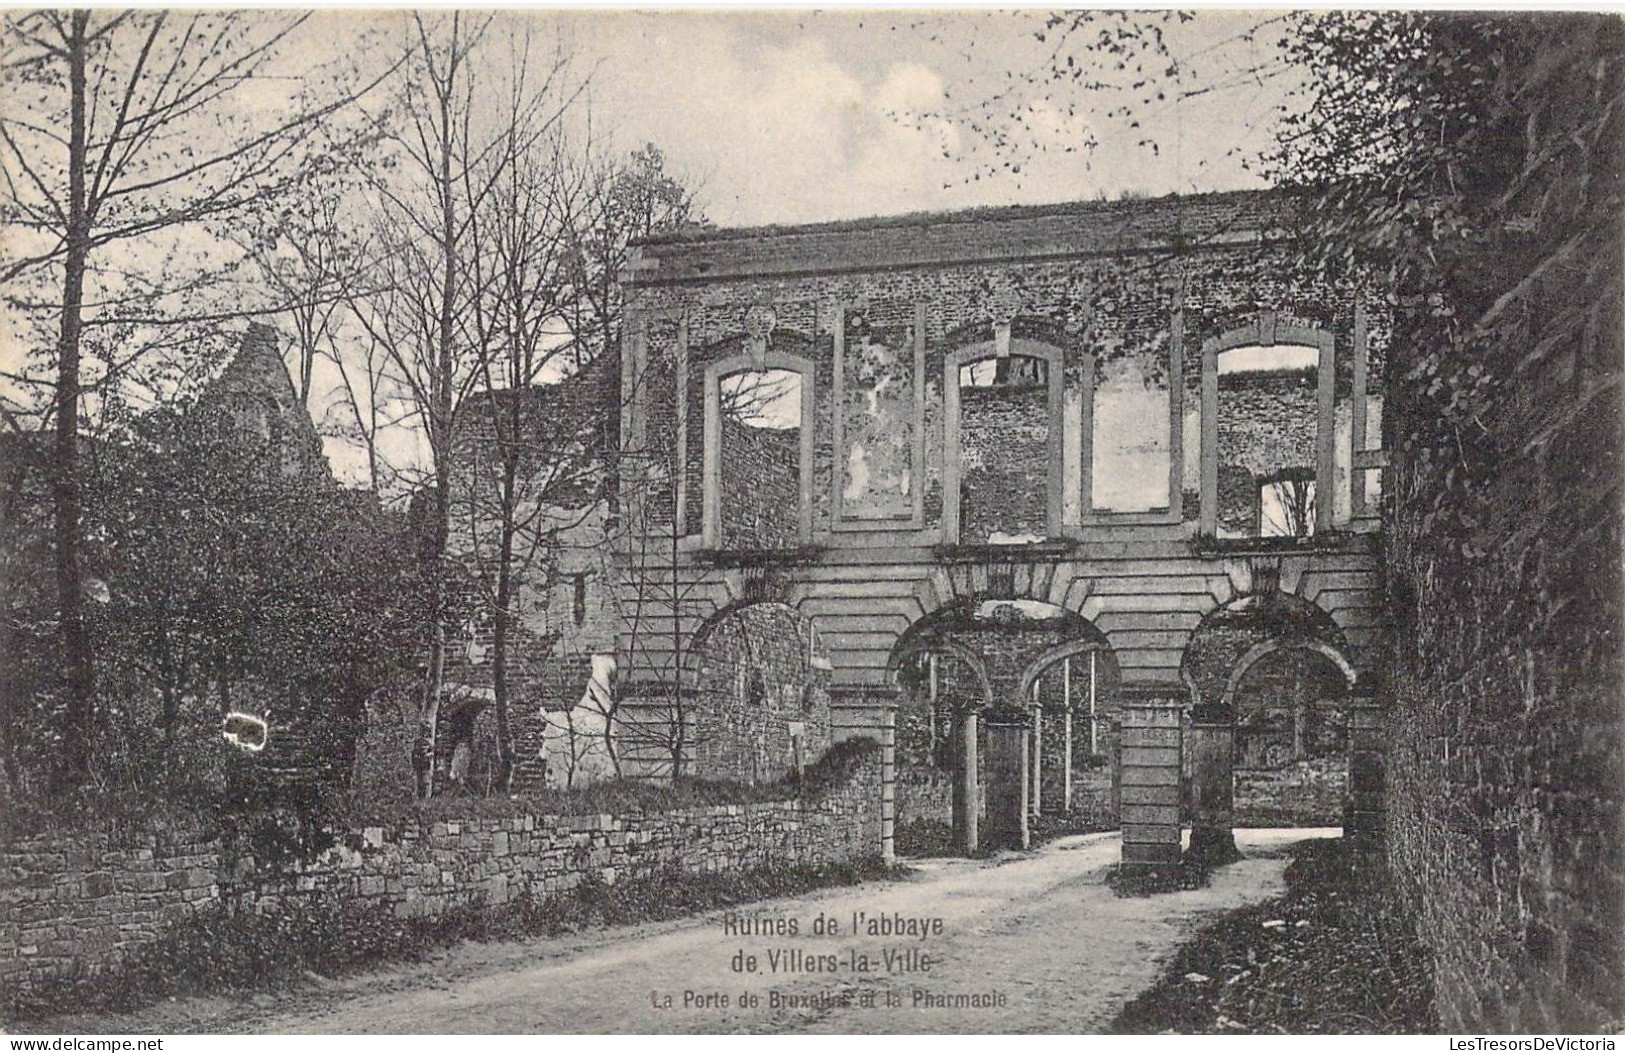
{"x":801,"y":556}
{"x":972,"y":552}
{"x":1265,"y":546}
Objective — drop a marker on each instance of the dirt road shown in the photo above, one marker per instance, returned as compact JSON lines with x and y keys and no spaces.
{"x":1038,"y":939}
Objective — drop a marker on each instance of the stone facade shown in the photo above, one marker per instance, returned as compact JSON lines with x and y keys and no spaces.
{"x":72,"y":907}
{"x":1005,"y":405}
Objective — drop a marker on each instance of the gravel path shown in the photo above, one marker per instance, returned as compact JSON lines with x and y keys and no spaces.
{"x":1042,"y":931}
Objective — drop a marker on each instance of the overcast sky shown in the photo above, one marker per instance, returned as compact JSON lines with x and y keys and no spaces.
{"x":790,"y":116}
{"x":793,"y":116}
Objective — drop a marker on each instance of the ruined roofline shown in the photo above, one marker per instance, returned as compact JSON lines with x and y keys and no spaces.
{"x":969,"y":236}
{"x":972,"y":214}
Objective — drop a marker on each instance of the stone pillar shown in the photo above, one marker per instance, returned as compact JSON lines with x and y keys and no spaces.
{"x":1037,"y":738}
{"x":1066,"y":747}
{"x":1148,"y":750}
{"x":1212,"y":747}
{"x":967,"y":793}
{"x":1363,"y":810}
{"x":888,"y":784}
{"x":1009,"y":780}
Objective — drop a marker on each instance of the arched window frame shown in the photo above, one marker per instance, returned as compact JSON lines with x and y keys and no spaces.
{"x":950,"y":429}
{"x":711,"y":523}
{"x":1265,"y":331}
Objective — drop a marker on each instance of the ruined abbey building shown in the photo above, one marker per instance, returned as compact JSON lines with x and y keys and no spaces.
{"x":1066,"y":505}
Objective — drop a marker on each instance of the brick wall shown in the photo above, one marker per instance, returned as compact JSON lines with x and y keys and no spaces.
{"x":1504,"y":770}
{"x":761,"y":486}
{"x":1004,"y":465}
{"x":1506,"y":762}
{"x":1267,"y":422}
{"x":1310,"y":792}
{"x":75,"y":906}
{"x":756,"y":680}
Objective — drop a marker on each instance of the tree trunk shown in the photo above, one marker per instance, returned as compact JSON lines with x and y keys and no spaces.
{"x":429,"y":712}
{"x":440,"y":422}
{"x":499,"y":643}
{"x":77,"y":673}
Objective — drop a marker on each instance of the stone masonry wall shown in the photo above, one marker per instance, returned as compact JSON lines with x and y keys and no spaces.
{"x":1004,"y":438}
{"x":75,"y":906}
{"x":761,"y":485}
{"x":757,"y":685}
{"x":1506,"y":763}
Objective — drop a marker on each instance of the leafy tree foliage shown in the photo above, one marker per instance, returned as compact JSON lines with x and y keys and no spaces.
{"x":231,"y":575}
{"x":124,"y":133}
{"x":1478,"y":159}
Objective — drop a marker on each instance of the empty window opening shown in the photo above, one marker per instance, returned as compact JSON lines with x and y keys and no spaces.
{"x":579,"y":600}
{"x":1004,"y":449}
{"x":1130,"y":439}
{"x":1273,"y":359}
{"x":1007,"y":371}
{"x":1286,"y":506}
{"x":759,"y":448}
{"x":1268,"y":432}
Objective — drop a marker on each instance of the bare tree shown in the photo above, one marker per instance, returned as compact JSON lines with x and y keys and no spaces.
{"x":535,"y":470}
{"x":455,"y":151}
{"x":310,"y":256}
{"x":628,"y":199}
{"x":124,"y":133}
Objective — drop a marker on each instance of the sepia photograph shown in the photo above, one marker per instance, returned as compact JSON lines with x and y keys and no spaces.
{"x":775,"y":520}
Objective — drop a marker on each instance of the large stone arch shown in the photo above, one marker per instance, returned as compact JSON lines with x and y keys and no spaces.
{"x":1268,"y":647}
{"x":1005,"y":641}
{"x":760,"y":694}
{"x":1232,"y":631}
{"x":1229,"y":643}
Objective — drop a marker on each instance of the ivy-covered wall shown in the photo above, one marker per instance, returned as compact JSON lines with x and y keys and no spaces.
{"x":1506,"y":768}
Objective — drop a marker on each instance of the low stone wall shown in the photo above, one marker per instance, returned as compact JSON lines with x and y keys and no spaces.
{"x":1303,"y":793}
{"x":924,"y":793}
{"x":1092,"y":800}
{"x":72,"y":907}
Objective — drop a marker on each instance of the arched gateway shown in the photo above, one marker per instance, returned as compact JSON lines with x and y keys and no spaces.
{"x":1004,"y":467}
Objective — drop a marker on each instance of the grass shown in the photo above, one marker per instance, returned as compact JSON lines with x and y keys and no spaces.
{"x":1335,"y":955}
{"x":1154,"y":879}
